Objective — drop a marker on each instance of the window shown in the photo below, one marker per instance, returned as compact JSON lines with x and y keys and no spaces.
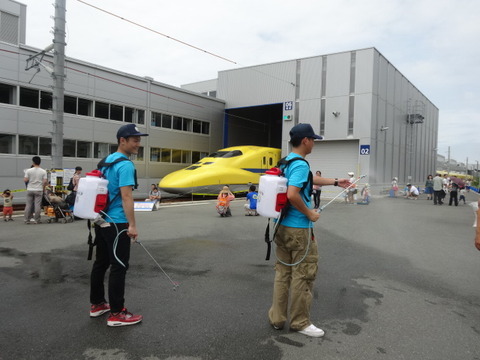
{"x":351,"y":112}
{"x":7,"y":144}
{"x":197,"y":126}
{"x":45,"y":100}
{"x":186,"y":156}
{"x":177,"y":123}
{"x":195,"y":156}
{"x":70,"y":104}
{"x":136,"y":116}
{"x":29,"y":97}
{"x":101,"y":110}
{"x":84,"y":149}
{"x":166,"y":155}
{"x":85,"y":107}
{"x":156,"y":119}
{"x":7,"y":94}
{"x":128,"y":114}
{"x":116,"y":112}
{"x":140,"y":116}
{"x":205,"y":128}
{"x":154,"y":154}
{"x":45,"y":146}
{"x":166,"y":121}
{"x":113,"y":148}
{"x":68,"y":148}
{"x":176,"y":156}
{"x":187,"y":125}
{"x":100,"y":150}
{"x":28,"y":145}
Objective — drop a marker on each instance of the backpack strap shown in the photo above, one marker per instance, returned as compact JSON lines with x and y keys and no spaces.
{"x":104,"y":164}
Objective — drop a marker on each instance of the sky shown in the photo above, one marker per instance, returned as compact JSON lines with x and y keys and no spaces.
{"x":433,"y":43}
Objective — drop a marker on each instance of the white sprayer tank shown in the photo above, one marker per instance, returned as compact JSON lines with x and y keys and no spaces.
{"x":92,"y":194}
{"x":272,"y":193}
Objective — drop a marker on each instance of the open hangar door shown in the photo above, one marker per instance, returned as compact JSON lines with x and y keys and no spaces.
{"x":254,"y":125}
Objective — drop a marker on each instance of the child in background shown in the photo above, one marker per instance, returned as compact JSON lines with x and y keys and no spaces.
{"x":7,"y":205}
{"x":223,"y":202}
{"x":365,"y":195}
{"x":462,"y":195}
{"x":251,"y":205}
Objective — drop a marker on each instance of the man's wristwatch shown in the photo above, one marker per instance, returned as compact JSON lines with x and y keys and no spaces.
{"x":336,"y":182}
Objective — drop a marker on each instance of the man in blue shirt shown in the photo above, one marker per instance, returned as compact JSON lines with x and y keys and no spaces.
{"x":296,"y":251}
{"x":114,"y":237}
{"x":251,"y":205}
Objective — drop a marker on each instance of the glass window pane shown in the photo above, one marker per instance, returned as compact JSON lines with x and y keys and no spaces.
{"x":186,"y":156}
{"x":139,"y":156}
{"x":167,"y":121}
{"x":128,"y":114}
{"x":70,"y":105}
{"x":68,"y":148}
{"x":140,"y":117}
{"x":187,"y":125}
{"x":7,"y":144}
{"x":154,"y":154}
{"x":176,"y":156}
{"x":113,"y":148}
{"x":205,"y":128}
{"x":165,"y":155}
{"x":100,"y":150}
{"x":28,"y":145}
{"x":195,"y":156}
{"x":116,"y":112}
{"x":85,"y":107}
{"x":156,"y":119}
{"x":45,"y":100}
{"x":177,"y":123}
{"x":197,"y":126}
{"x":29,"y":97}
{"x":7,"y":94}
{"x":45,"y":146}
{"x":84,"y":149}
{"x":101,"y":110}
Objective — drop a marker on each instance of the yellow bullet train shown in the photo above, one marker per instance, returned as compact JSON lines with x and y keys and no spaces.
{"x":237,"y":167}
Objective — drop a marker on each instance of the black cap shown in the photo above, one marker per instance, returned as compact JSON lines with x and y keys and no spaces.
{"x":129,"y":130}
{"x":304,"y":130}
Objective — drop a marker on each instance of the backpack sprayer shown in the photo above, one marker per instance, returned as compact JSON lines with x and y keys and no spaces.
{"x":91,"y":203}
{"x":272,"y":202}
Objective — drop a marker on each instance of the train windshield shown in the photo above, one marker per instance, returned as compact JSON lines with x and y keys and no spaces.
{"x":225,"y":154}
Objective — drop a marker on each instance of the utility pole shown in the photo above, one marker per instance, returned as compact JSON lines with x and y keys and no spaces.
{"x":58,"y":76}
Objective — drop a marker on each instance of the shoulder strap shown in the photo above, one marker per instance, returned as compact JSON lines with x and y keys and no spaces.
{"x":283,"y":164}
{"x":104,"y":164}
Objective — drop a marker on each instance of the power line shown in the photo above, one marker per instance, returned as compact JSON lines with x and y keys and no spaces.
{"x":157,"y":32}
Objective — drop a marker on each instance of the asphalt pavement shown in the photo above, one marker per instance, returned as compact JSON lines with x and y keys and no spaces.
{"x":398,"y":279}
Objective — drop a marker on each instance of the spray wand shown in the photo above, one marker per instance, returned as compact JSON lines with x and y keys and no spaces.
{"x":346,"y":189}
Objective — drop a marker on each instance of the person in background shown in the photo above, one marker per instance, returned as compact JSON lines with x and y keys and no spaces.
{"x":477,"y":232}
{"x":353,"y":189}
{"x":429,"y":187}
{"x":453,"y":190}
{"x":437,"y":190}
{"x":36,"y":180}
{"x":251,"y":205}
{"x":317,"y":191}
{"x":395,"y":186}
{"x":7,"y":205}
{"x":462,"y":195}
{"x":412,"y":192}
{"x":76,"y":178}
{"x":223,"y":202}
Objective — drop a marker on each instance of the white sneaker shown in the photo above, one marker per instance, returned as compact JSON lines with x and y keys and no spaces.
{"x":312,"y":331}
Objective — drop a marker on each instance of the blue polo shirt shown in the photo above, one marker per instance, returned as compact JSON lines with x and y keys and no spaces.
{"x":118,"y":175}
{"x":297,"y":173}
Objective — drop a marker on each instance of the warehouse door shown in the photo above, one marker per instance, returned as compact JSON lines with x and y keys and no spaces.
{"x":254,"y":125}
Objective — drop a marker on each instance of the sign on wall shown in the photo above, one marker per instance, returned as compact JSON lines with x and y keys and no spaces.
{"x":364,"y":149}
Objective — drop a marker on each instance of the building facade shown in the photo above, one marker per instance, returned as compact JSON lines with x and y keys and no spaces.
{"x":373,"y":119}
{"x":183,"y":126}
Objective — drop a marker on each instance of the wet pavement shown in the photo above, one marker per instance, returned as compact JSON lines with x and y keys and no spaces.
{"x":398,"y":279}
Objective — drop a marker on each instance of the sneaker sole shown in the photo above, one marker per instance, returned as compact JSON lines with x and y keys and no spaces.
{"x":121,"y":323}
{"x":98,"y":313}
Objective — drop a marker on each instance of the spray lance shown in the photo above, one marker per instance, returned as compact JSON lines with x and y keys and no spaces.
{"x":340,"y":193}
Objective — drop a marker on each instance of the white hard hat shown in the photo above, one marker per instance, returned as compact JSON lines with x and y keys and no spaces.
{"x":351,"y":173}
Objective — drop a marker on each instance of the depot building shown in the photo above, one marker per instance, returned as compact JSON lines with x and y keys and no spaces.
{"x":373,"y":119}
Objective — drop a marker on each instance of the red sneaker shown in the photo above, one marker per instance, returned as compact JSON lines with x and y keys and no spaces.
{"x":99,"y":309}
{"x":123,"y":318}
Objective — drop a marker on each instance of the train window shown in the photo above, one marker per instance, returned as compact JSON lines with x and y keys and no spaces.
{"x":208,"y":163}
{"x":232,"y":154}
{"x":270,"y":161}
{"x":264,"y":161}
{"x":193,"y":167}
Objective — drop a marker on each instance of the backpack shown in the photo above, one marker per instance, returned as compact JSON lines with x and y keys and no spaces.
{"x":103,"y":164}
{"x":280,"y":168}
{"x":70,"y":186}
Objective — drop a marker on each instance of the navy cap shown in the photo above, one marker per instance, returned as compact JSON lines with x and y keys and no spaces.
{"x":304,"y":130}
{"x":129,"y":130}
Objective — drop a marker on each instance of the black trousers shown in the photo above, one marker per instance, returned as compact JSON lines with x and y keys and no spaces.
{"x":104,"y":259}
{"x":438,"y":195}
{"x":316,"y":198}
{"x":453,"y":197}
